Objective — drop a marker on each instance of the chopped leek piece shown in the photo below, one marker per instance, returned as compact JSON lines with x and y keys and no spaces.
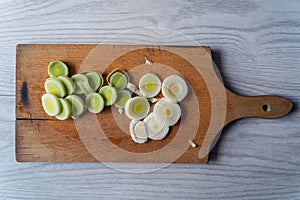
{"x":51,"y":104}
{"x":57,"y":68}
{"x":109,"y":94}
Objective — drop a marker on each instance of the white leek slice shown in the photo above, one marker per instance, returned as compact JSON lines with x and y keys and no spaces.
{"x":51,"y":104}
{"x":137,"y":108}
{"x":167,"y":111}
{"x":150,"y":85}
{"x":156,"y":130}
{"x":138,"y":131}
{"x":174,"y":88}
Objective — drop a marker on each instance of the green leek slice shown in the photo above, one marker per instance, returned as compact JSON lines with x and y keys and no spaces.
{"x":57,"y":68}
{"x":109,"y":94}
{"x":79,"y":80}
{"x":95,"y":80}
{"x":118,"y":80}
{"x":123,"y":97}
{"x":94,"y":102}
{"x":68,"y":83}
{"x":66,"y":110}
{"x":55,"y":86}
{"x":78,"y":106}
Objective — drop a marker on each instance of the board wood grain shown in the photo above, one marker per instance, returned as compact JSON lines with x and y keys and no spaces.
{"x":207,"y":98}
{"x":32,"y":61}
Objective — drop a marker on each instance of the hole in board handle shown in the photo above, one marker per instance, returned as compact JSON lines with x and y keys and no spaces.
{"x":266,"y":108}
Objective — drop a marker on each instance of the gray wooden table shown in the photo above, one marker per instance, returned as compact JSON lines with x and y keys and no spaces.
{"x":256,"y":45}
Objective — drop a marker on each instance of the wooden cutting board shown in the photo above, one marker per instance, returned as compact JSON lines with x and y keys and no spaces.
{"x":104,"y":137}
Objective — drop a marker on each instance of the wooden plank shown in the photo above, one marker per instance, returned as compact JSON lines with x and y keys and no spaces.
{"x":207,"y":97}
{"x":30,"y":111}
{"x":45,"y":141}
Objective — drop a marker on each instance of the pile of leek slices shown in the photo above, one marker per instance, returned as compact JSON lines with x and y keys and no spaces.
{"x":71,"y":96}
{"x":166,"y":111}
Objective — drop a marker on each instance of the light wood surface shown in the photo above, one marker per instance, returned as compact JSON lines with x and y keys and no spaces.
{"x":256,"y":45}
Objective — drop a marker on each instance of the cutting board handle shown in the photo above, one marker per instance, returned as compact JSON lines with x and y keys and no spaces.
{"x":269,"y":107}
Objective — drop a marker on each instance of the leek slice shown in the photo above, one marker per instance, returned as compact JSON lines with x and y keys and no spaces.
{"x":66,"y":110}
{"x":94,"y":102}
{"x":51,"y":104}
{"x":68,"y":83}
{"x":156,"y":130}
{"x":109,"y":94}
{"x":138,"y":131}
{"x":77,"y":104}
{"x":167,"y":111}
{"x":174,"y":88}
{"x":123,"y":97}
{"x":57,"y":68}
{"x":150,"y":85}
{"x":137,"y":108}
{"x":95,"y":80}
{"x":55,"y":86}
{"x":118,"y":80}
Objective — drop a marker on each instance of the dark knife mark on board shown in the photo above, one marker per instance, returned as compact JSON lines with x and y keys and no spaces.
{"x":24,"y":94}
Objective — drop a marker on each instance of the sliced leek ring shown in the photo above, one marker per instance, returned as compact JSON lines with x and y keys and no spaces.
{"x":167,"y":111}
{"x":55,"y":86}
{"x":123,"y":97}
{"x":150,"y":85}
{"x":174,"y":88}
{"x":133,"y":89}
{"x":68,"y":83}
{"x":78,"y":106}
{"x":118,"y":80}
{"x":109,"y":94}
{"x":94,"y":102}
{"x":57,"y":68}
{"x":156,"y":130}
{"x":85,"y":87}
{"x":95,"y":80}
{"x":138,"y":131}
{"x":137,"y":108}
{"x":66,"y":110}
{"x":51,"y":104}
{"x":79,"y":79}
